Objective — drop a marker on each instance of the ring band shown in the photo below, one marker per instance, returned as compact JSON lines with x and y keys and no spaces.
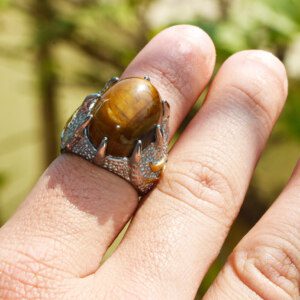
{"x":123,"y":129}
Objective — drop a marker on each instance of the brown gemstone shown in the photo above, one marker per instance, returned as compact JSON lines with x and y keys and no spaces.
{"x":126,"y":112}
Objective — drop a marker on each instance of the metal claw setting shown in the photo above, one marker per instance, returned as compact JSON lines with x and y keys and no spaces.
{"x":142,"y":168}
{"x":136,"y":155}
{"x":101,"y":152}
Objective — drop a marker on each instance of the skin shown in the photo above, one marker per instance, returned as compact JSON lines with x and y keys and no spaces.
{"x":52,"y":247}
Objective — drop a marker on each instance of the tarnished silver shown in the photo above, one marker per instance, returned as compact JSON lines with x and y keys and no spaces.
{"x":145,"y":165}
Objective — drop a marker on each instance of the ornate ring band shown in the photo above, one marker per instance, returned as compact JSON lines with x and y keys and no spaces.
{"x":124,"y":129}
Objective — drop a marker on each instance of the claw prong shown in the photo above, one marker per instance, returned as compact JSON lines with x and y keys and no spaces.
{"x":101,"y":151}
{"x":158,"y":165}
{"x":79,"y":132}
{"x":109,"y":84}
{"x":90,"y":97}
{"x":115,"y":79}
{"x":90,"y":100}
{"x":137,"y":153}
{"x":82,"y":127}
{"x":159,"y":140}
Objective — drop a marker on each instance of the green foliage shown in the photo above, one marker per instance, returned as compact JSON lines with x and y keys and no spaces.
{"x":291,"y":114}
{"x":257,"y":24}
{"x":252,"y":24}
{"x":53,"y":31}
{"x":2,"y":179}
{"x":4,"y":3}
{"x":105,"y":35}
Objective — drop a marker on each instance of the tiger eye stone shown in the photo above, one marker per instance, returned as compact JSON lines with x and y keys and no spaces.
{"x":126,"y":112}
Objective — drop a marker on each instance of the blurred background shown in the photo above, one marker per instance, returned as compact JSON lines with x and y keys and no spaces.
{"x":54,"y":52}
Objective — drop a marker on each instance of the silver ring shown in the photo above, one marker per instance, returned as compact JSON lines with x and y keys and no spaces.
{"x":123,"y":129}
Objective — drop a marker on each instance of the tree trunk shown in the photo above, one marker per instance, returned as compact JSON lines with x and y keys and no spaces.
{"x":44,"y":18}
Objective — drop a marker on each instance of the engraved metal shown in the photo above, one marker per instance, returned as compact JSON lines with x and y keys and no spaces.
{"x":145,"y":165}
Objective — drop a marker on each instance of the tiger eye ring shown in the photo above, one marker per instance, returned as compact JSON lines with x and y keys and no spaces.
{"x":124,"y":129}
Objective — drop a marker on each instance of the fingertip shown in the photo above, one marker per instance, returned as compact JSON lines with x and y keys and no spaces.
{"x":266,"y":63}
{"x":181,"y":56}
{"x":198,"y":43}
{"x":269,"y":60}
{"x":258,"y":74}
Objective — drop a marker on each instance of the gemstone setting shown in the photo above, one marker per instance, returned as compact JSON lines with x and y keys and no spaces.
{"x":143,"y":167}
{"x":128,"y":111}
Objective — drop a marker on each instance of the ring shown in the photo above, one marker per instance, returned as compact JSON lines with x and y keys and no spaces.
{"x":123,"y":129}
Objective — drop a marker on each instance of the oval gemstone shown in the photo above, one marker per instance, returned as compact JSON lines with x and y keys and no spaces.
{"x":125,"y":113}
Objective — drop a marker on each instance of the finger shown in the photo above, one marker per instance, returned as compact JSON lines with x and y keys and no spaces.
{"x":180,"y":63}
{"x":76,"y":209}
{"x":179,"y":230}
{"x":266,"y":263}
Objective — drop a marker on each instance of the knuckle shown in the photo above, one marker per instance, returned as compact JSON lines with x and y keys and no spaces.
{"x":202,"y":187}
{"x":253,"y":97}
{"x":261,"y":82}
{"x":19,"y":282}
{"x":191,"y":48}
{"x":22,"y":276}
{"x":268,"y":266}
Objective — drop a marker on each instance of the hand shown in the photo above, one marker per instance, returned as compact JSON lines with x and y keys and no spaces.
{"x":52,"y":247}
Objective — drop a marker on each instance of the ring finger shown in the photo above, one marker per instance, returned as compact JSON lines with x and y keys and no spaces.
{"x":76,"y":209}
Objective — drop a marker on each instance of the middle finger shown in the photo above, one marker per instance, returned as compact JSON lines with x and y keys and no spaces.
{"x":179,"y":230}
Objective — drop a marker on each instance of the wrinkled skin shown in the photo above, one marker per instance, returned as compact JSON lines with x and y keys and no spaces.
{"x":52,"y":247}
